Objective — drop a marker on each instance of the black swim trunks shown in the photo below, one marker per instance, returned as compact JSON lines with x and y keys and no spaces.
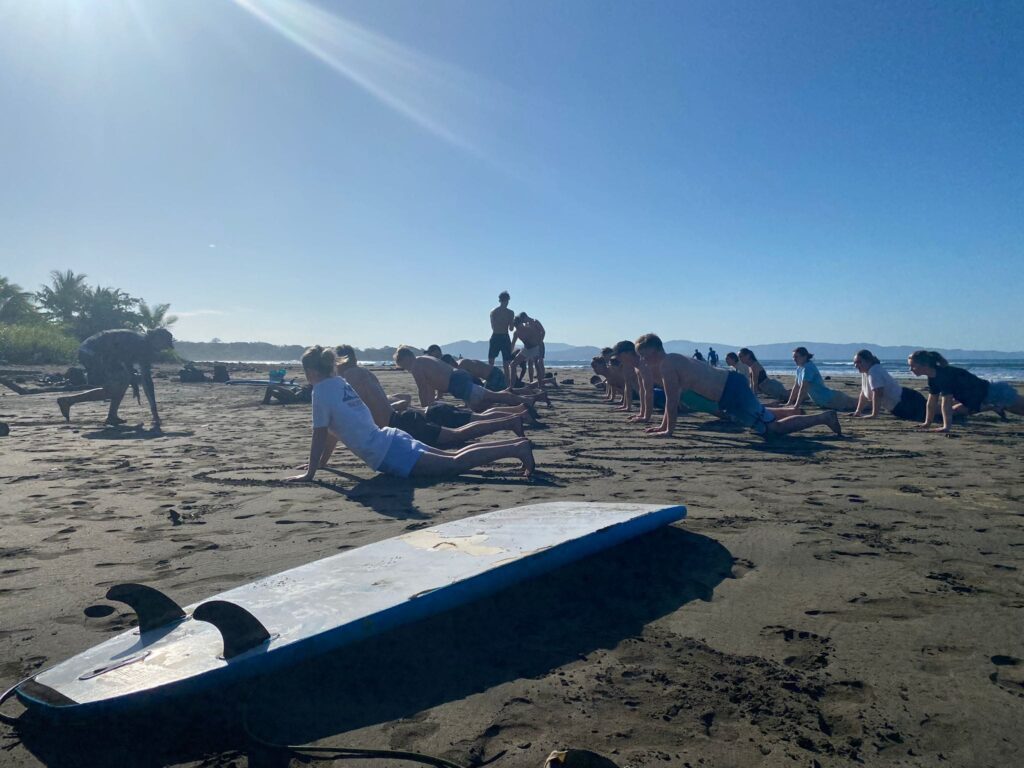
{"x":415,"y":424}
{"x":500,"y":342}
{"x":447,"y":415}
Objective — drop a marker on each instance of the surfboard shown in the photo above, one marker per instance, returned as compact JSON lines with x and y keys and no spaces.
{"x":326,"y":604}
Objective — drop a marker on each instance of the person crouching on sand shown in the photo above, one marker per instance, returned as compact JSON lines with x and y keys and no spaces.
{"x":879,"y":389}
{"x":948,"y":383}
{"x":339,"y":414}
{"x":727,"y":388}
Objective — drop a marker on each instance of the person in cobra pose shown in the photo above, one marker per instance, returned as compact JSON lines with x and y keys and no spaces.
{"x":412,"y":421}
{"x":340,"y":414}
{"x":809,"y":383}
{"x":435,"y":378}
{"x":954,"y":390}
{"x":501,"y":343}
{"x":111,"y":359}
{"x":727,"y":388}
{"x":880,"y":391}
{"x":760,"y":381}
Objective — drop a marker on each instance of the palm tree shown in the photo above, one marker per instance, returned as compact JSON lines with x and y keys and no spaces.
{"x":105,"y":308}
{"x":15,"y":304}
{"x":63,"y":299}
{"x":156,"y":317}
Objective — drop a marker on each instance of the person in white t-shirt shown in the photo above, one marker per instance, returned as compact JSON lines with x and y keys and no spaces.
{"x":879,"y":389}
{"x":339,"y":414}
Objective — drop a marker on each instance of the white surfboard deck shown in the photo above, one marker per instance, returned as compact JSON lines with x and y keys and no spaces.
{"x":343,"y":599}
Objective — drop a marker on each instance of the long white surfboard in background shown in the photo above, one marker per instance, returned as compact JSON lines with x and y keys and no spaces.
{"x":328,"y":603}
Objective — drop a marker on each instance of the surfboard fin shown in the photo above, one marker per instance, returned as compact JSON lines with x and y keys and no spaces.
{"x":154,"y":608}
{"x":240,"y":630}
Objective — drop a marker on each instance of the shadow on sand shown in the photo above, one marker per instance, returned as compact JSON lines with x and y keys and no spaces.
{"x":524,"y":631}
{"x":136,"y":432}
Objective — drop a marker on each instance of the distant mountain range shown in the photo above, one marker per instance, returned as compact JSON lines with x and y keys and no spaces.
{"x":263,"y":352}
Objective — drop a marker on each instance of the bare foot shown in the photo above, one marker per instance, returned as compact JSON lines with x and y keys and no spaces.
{"x":832,"y":422}
{"x":115,"y":421}
{"x":527,"y":458}
{"x":65,"y":408}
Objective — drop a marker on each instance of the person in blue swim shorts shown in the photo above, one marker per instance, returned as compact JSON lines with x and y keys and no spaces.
{"x":340,"y":414}
{"x":677,"y":373}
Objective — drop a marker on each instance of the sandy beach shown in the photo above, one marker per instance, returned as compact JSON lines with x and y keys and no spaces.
{"x":828,"y":601}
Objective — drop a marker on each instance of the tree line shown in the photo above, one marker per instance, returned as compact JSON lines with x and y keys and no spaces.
{"x":46,"y":326}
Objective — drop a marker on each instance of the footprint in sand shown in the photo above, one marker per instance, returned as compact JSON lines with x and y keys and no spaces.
{"x":1009,"y":674}
{"x":807,"y":650}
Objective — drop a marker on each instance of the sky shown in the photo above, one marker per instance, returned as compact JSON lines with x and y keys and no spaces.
{"x":376,"y":172}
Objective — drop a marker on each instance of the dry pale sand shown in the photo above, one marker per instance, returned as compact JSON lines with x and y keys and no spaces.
{"x":828,"y":601}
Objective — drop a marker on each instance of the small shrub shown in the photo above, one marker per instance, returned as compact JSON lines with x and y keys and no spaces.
{"x":36,"y":344}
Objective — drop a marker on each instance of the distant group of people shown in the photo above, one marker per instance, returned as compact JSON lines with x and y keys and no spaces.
{"x":644,"y":372}
{"x":393,"y":435}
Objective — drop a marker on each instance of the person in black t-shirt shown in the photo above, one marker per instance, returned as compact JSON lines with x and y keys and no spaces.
{"x":112,"y":359}
{"x":948,"y":383}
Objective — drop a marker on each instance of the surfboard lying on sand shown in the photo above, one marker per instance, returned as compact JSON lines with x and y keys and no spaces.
{"x":327,"y":604}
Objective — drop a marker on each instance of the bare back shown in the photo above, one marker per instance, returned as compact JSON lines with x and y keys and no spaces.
{"x":370,"y":392}
{"x":694,"y":375}
{"x":477,"y":368}
{"x":501,"y":319}
{"x":431,"y":372}
{"x":531,"y":333}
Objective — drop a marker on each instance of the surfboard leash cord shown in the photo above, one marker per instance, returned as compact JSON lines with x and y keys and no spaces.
{"x":302,"y":751}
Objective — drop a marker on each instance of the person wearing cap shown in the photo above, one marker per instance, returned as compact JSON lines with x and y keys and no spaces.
{"x":115,"y":360}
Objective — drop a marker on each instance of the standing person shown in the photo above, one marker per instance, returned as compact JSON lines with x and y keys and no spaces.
{"x":712,"y":357}
{"x":809,"y":383}
{"x":972,"y":394}
{"x":678,"y":374}
{"x":531,"y":332}
{"x":697,"y":355}
{"x":760,"y":381}
{"x":339,"y":414}
{"x":883,"y":392}
{"x":111,"y":360}
{"x":501,"y":342}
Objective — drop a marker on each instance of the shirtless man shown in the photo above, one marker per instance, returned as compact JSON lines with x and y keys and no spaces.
{"x":111,"y":359}
{"x":501,"y":324}
{"x":435,"y":379}
{"x":613,"y":379}
{"x":531,"y":333}
{"x":413,"y":422}
{"x":636,"y":377}
{"x":678,"y":373}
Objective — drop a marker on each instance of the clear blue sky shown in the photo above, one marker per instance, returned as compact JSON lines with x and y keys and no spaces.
{"x":376,"y":172}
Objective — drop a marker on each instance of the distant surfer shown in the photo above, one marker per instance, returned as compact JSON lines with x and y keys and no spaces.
{"x":340,"y":414}
{"x":115,"y":360}
{"x":501,"y":342}
{"x":726,"y":388}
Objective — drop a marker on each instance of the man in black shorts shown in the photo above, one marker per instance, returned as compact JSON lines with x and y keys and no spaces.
{"x":115,"y":360}
{"x":501,"y":325}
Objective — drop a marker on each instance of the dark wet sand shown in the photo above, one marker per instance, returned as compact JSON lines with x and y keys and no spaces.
{"x":845,"y":601}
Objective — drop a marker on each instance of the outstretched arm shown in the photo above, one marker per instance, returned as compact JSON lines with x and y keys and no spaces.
{"x":861,"y":402}
{"x":947,"y":414}
{"x":672,"y":390}
{"x":147,"y":387}
{"x":929,"y":410}
{"x":317,"y":453}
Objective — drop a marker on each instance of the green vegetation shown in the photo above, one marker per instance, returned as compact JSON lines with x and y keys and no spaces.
{"x":47,"y":326}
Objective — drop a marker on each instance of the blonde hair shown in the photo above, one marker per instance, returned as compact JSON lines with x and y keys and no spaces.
{"x":319,"y":359}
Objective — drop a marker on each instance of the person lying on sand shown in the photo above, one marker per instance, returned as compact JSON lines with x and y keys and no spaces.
{"x":953,"y":390}
{"x":111,"y":359}
{"x":809,"y":383}
{"x":435,"y":378}
{"x":339,"y":414}
{"x":883,"y":392}
{"x":288,"y":394}
{"x":652,"y":397}
{"x":414,"y":422}
{"x":493,"y":378}
{"x":678,"y":373}
{"x":760,"y":381}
